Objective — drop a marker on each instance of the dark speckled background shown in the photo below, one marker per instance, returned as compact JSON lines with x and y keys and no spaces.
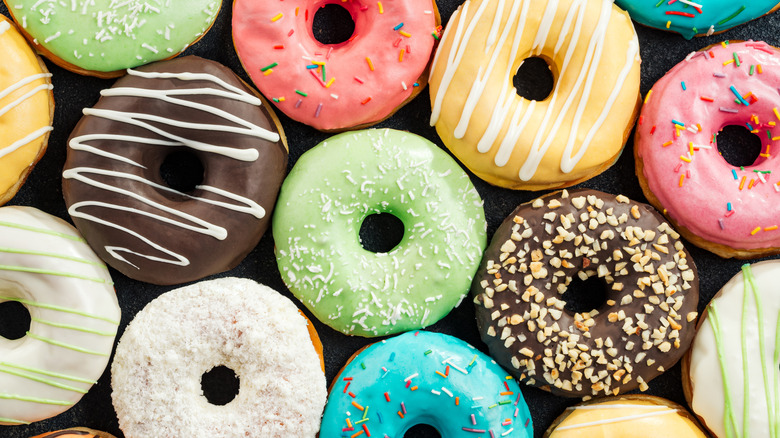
{"x":660,"y":51}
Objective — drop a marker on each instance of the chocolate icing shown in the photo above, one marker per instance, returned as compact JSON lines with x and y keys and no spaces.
{"x":621,"y":345}
{"x":135,"y":243}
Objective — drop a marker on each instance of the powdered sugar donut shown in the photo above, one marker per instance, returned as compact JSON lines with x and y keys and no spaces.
{"x":231,"y":322}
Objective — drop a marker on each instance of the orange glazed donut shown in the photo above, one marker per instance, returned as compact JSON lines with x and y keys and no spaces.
{"x":26,"y":110}
{"x":333,"y":87}
{"x":575,"y":133}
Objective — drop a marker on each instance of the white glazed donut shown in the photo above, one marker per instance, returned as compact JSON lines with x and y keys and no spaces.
{"x":231,"y":322}
{"x":731,"y":377}
{"x":47,"y":266}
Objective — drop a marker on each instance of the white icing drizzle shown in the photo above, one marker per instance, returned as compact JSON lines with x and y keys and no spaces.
{"x":617,"y":419}
{"x":4,"y":26}
{"x":73,"y":319}
{"x":506,"y":99}
{"x":183,"y":220}
{"x":8,"y":107}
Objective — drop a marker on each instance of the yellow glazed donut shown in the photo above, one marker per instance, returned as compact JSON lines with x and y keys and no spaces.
{"x":26,"y":109}
{"x":575,"y":133}
{"x":626,"y":416}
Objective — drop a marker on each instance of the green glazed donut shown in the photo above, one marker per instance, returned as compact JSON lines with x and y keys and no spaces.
{"x":322,"y":205}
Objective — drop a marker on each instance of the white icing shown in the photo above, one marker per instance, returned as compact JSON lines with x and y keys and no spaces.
{"x":552,"y":121}
{"x":5,"y":150}
{"x":755,"y":410}
{"x":617,"y":419}
{"x":45,"y":265}
{"x":239,"y":204}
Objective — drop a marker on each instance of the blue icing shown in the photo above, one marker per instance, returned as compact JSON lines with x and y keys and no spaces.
{"x":722,"y":14}
{"x":405,"y":367}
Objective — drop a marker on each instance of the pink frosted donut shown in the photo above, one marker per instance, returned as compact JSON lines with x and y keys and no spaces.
{"x":334,"y":87}
{"x":729,"y":210}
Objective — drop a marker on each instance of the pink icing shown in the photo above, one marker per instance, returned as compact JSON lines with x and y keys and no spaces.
{"x":701,"y":204}
{"x":358,"y":95}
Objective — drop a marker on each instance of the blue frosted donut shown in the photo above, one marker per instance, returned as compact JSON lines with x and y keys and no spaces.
{"x":425,"y":378}
{"x":696,"y":17}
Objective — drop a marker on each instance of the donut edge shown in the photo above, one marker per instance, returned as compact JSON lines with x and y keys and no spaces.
{"x":14,"y":189}
{"x":422,"y":80}
{"x":681,"y":410}
{"x":41,"y":50}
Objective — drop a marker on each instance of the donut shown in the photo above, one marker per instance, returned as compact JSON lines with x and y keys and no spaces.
{"x":725,"y":209}
{"x":631,"y":415}
{"x":26,"y":110}
{"x":575,"y":133}
{"x":232,"y":322}
{"x":642,"y":329}
{"x":730,"y":376}
{"x":692,"y":18}
{"x":333,"y":87}
{"x":425,"y":378}
{"x":333,"y":188}
{"x":131,"y":216}
{"x":76,"y":432}
{"x":104,"y":38}
{"x":46,"y":266}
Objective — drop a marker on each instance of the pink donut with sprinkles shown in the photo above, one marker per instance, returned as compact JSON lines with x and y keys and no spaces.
{"x":729,"y":210}
{"x":334,"y":87}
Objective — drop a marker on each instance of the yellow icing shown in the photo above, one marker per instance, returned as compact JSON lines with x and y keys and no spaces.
{"x":475,"y":105}
{"x":627,"y":419}
{"x":30,"y":115}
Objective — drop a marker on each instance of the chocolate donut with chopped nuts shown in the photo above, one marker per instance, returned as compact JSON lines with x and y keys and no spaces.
{"x":646,"y":324}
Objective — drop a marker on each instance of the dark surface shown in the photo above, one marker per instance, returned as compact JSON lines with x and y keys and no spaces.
{"x":659,"y":50}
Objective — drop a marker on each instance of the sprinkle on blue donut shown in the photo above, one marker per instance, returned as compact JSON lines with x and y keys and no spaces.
{"x":425,"y":378}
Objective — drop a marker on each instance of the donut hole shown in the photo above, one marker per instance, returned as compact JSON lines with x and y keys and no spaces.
{"x":583,"y":296}
{"x":182,"y":171}
{"x":534,"y":79}
{"x":14,"y":320}
{"x":332,"y":24}
{"x":220,"y":385}
{"x":738,"y":146}
{"x":381,"y":232}
{"x":422,"y":431}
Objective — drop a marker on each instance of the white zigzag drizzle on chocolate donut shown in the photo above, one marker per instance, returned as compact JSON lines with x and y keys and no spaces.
{"x":151,"y":123}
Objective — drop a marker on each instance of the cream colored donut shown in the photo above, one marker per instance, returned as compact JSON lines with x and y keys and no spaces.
{"x":732,"y":372}
{"x":573,"y":134}
{"x":626,"y":416}
{"x":236,"y":323}
{"x":46,"y":266}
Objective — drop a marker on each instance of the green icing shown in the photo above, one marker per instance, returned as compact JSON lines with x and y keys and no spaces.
{"x":53,"y":255}
{"x":323,"y":203}
{"x":108,"y":35}
{"x":745,"y":375}
{"x":58,"y":308}
{"x":43,"y":380}
{"x":42,"y":231}
{"x":65,"y":345}
{"x":748,"y":274}
{"x":43,"y":401}
{"x":48,"y":373}
{"x":50,"y":272}
{"x":729,"y":420}
{"x":12,"y":421}
{"x":74,"y":327}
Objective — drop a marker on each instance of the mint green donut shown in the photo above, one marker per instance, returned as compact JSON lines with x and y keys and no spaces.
{"x":103,"y":36}
{"x":324,"y":201}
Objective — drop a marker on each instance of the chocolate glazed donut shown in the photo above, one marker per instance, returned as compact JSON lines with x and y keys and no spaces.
{"x":645,"y":325}
{"x":119,"y":200}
